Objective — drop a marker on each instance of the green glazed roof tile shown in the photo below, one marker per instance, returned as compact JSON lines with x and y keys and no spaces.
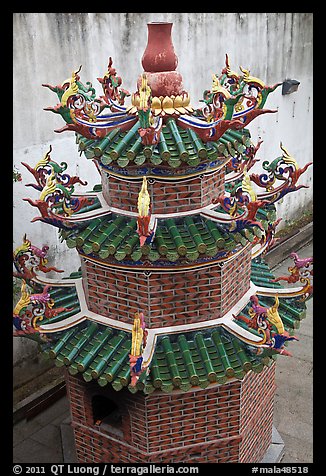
{"x":180,"y":361}
{"x":175,"y":146}
{"x":189,"y":238}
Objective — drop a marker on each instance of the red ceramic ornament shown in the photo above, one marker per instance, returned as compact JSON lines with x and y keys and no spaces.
{"x":159,"y":54}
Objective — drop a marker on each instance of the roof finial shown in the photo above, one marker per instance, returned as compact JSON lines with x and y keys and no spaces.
{"x":143,"y":199}
{"x":138,"y":342}
{"x":144,"y":213}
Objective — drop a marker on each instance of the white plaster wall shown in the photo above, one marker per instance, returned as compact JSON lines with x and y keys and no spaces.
{"x":47,"y":47}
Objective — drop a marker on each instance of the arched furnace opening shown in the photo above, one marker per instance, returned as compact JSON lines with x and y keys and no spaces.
{"x":106,"y":413}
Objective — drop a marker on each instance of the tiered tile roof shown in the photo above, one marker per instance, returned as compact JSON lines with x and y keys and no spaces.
{"x":176,"y":147}
{"x":187,"y":238}
{"x":181,"y":360}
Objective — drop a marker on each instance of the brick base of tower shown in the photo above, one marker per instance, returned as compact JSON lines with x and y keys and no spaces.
{"x":230,"y":423}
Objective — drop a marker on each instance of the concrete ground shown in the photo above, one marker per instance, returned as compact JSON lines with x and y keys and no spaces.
{"x":293,"y":411}
{"x":47,"y":437}
{"x":39,"y":440}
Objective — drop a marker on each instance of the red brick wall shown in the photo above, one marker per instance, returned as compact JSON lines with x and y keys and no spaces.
{"x":257,"y":403}
{"x":167,"y":299}
{"x":235,"y":280}
{"x":193,"y":418}
{"x":222,"y":424}
{"x":166,"y":197}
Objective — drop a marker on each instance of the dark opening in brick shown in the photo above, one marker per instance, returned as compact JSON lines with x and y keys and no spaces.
{"x":106,"y":412}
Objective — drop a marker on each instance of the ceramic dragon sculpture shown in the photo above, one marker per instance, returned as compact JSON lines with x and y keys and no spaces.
{"x":268,"y":323}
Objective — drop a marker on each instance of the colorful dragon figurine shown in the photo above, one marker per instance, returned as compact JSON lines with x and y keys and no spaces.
{"x":250,"y":93}
{"x":28,"y":259}
{"x":75,"y":100}
{"x":111,"y":87}
{"x":56,"y":200}
{"x":218,"y":102}
{"x":302,"y":272}
{"x":270,"y":235}
{"x":230,"y":79}
{"x":245,"y":160}
{"x":267,"y":322}
{"x":242,"y":197}
{"x":235,"y":96}
{"x":32,"y":308}
{"x":81,"y":109}
{"x":44,"y":168}
{"x":283,"y":168}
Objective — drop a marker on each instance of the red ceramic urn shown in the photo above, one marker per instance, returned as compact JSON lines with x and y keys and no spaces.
{"x":160,"y":61}
{"x":159,"y":54}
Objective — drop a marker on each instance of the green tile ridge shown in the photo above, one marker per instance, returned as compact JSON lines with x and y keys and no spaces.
{"x":80,"y":342}
{"x":60,"y":344}
{"x":202,"y":349}
{"x":171,"y":361}
{"x":120,"y":358}
{"x":228,"y":145}
{"x":101,"y":146}
{"x":182,"y":152}
{"x":122,"y":145}
{"x":84,"y":234}
{"x":105,"y":355}
{"x":229,"y":371}
{"x":91,"y":352}
{"x":186,"y":356}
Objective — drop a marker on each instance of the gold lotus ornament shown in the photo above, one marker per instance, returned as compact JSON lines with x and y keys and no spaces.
{"x":164,"y":105}
{"x":156,"y":104}
{"x":167,"y":105}
{"x":179,"y":104}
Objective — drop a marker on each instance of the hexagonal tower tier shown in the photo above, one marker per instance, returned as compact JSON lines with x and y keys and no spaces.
{"x":169,"y":330}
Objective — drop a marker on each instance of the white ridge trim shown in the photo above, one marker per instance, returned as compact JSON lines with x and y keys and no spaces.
{"x":280,"y":292}
{"x":56,"y":282}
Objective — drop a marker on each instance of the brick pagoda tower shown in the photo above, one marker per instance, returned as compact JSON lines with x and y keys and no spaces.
{"x":169,"y":330}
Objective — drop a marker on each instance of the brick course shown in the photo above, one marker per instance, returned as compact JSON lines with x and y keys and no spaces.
{"x":225,"y":423}
{"x":166,"y":197}
{"x":167,"y":299}
{"x":257,"y":403}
